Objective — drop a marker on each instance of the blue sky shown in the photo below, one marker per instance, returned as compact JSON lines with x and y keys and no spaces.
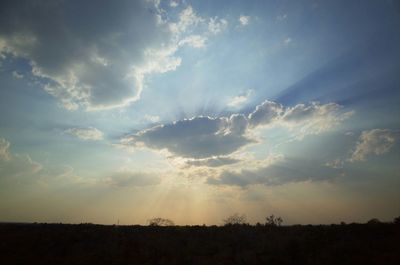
{"x":194,"y":110}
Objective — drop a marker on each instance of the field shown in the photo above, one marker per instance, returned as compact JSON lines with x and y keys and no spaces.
{"x":58,"y":244}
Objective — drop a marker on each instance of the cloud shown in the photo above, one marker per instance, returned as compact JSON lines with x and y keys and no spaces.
{"x":207,"y":137}
{"x":96,"y":55}
{"x":4,"y":150}
{"x":336,"y":163}
{"x":373,"y":142}
{"x":187,"y":18}
{"x":83,"y":50}
{"x":266,"y":113}
{"x":216,"y":25}
{"x":212,"y":162}
{"x":287,"y":41}
{"x":152,"y":118}
{"x":86,"y":133}
{"x":17,"y":75}
{"x":195,"y":41}
{"x":282,"y":17}
{"x":199,"y":137}
{"x":301,"y":119}
{"x":173,"y":3}
{"x":314,"y":118}
{"x":276,"y":170}
{"x":129,"y":179}
{"x":15,"y":165}
{"x":244,"y":20}
{"x":238,"y":101}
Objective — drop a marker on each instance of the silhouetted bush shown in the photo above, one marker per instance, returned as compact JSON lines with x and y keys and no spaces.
{"x":235,"y":219}
{"x":273,"y":221}
{"x":374,"y":221}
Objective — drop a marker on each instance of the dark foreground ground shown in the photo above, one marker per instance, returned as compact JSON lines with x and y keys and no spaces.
{"x":95,"y":244}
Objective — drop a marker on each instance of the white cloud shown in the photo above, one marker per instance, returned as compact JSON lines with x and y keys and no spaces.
{"x":195,"y":41}
{"x":216,"y":25}
{"x":187,"y":18}
{"x":15,"y":165}
{"x":151,"y":118}
{"x":86,"y":133}
{"x":314,"y":118}
{"x":4,"y":150}
{"x":244,"y":20}
{"x":173,"y":3}
{"x":373,"y":142}
{"x":239,"y":100}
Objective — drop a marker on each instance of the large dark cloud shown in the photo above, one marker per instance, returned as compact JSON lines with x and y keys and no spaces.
{"x":199,"y":137}
{"x":86,"y":49}
{"x":205,"y":137}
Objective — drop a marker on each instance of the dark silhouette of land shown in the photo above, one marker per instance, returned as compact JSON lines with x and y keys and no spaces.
{"x":56,"y":244}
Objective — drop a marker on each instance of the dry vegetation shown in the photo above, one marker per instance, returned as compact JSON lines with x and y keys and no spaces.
{"x":233,"y":243}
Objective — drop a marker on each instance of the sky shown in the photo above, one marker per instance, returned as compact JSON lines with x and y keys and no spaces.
{"x":122,"y":111}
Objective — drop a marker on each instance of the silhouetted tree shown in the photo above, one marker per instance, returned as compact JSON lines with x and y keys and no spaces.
{"x":374,"y":221}
{"x":160,"y":222}
{"x":273,"y":221}
{"x":396,"y":220}
{"x":235,"y":219}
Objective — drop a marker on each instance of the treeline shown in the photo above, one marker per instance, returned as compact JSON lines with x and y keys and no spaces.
{"x":241,"y":219}
{"x":231,"y":243}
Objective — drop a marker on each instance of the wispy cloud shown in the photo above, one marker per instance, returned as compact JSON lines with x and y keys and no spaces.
{"x":287,"y":41}
{"x":216,"y":25}
{"x":173,"y":3}
{"x":240,"y":100}
{"x":86,"y":133}
{"x":16,"y":165}
{"x":244,"y":20}
{"x":374,"y":142}
{"x":212,"y":162}
{"x":4,"y":150}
